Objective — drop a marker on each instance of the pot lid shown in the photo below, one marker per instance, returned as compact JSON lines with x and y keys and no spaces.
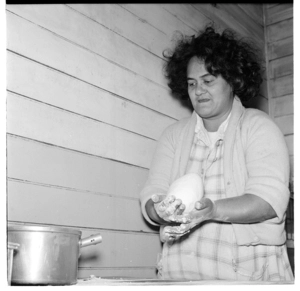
{"x":35,"y":228}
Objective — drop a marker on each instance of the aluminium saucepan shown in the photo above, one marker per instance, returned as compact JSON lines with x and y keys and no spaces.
{"x":46,"y":255}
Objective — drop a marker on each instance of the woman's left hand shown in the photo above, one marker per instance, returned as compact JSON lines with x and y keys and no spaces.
{"x":205,"y":209}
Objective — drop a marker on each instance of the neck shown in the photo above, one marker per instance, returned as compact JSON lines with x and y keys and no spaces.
{"x":212,"y":124}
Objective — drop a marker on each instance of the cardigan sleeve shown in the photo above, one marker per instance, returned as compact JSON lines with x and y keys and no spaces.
{"x":267,"y":163}
{"x":161,"y":168}
{"x":256,"y":162}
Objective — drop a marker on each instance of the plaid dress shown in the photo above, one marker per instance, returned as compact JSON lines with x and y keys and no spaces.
{"x":210,"y":251}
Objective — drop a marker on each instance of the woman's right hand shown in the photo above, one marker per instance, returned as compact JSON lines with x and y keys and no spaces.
{"x":167,"y":207}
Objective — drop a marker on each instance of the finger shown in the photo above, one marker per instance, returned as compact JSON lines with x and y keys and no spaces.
{"x":185,"y":218}
{"x":198,"y":205}
{"x":168,"y":234}
{"x":180,"y":209}
{"x":156,"y":198}
{"x":163,"y":236}
{"x":184,"y":228}
{"x":166,"y":202}
{"x":171,"y":230}
{"x":167,"y":228}
{"x":171,"y":238}
{"x":177,"y":230}
{"x":173,"y":207}
{"x":169,"y":200}
{"x":162,"y":206}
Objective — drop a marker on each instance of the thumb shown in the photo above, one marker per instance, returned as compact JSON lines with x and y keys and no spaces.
{"x":203,"y":203}
{"x":156,"y":198}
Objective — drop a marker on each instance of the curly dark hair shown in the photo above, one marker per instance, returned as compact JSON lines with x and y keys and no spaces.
{"x":236,"y":60}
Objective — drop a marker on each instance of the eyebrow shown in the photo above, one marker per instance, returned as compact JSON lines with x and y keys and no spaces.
{"x":203,"y":76}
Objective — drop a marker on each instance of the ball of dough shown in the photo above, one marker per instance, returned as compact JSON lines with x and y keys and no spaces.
{"x":188,"y":188}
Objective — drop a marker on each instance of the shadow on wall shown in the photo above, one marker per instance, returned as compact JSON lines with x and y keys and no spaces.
{"x":256,"y":102}
{"x":88,"y":258}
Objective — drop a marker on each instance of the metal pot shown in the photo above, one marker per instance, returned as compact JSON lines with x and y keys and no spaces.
{"x":46,"y":255}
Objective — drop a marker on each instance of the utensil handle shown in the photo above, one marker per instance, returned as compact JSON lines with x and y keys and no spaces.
{"x":91,"y":240}
{"x":11,"y":248}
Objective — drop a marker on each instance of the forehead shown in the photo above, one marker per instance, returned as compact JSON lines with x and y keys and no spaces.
{"x":196,"y":67}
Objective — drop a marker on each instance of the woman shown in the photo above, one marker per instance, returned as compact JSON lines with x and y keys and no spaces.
{"x":236,"y":231}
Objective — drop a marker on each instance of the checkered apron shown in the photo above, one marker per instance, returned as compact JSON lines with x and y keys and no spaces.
{"x":210,"y":251}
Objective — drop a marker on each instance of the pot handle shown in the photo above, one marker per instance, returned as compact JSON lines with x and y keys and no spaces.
{"x":91,"y":240}
{"x":10,"y":258}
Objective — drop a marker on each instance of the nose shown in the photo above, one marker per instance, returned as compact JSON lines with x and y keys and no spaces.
{"x":199,"y":89}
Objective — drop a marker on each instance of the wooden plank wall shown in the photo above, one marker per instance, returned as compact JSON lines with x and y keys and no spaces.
{"x":86,"y":103}
{"x":279,"y":41}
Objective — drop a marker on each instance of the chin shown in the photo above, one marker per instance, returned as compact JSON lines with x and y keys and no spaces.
{"x":202,"y":113}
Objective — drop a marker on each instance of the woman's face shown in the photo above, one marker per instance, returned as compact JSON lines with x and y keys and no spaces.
{"x":211,"y":96}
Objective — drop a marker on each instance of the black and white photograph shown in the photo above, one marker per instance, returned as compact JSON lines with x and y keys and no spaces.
{"x":149,"y":144}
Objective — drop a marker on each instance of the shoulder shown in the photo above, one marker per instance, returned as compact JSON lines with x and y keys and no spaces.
{"x":257,"y":120}
{"x":255,"y":114}
{"x":175,"y":132}
{"x":259,"y":128}
{"x":179,"y":126}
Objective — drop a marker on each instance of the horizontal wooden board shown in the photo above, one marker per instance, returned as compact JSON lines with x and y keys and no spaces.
{"x":51,"y":50}
{"x":187,"y":14}
{"x":42,"y":83}
{"x":204,"y":13}
{"x":280,"y":48}
{"x":117,"y":250}
{"x":282,"y":86}
{"x":280,"y":30}
{"x":36,"y":120}
{"x":54,"y":166}
{"x":225,"y":20}
{"x":285,"y":123}
{"x":194,"y":18}
{"x":281,"y":67}
{"x":84,"y":31}
{"x":243,"y":18}
{"x":254,"y":10}
{"x":160,"y":18}
{"x":126,"y":24}
{"x":271,"y":5}
{"x":283,"y":105}
{"x":48,"y":205}
{"x":120,"y":249}
{"x":278,"y":13}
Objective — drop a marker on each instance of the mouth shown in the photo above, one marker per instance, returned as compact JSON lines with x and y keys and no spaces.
{"x":203,"y":100}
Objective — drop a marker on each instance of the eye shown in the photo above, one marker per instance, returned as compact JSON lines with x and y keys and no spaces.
{"x":191,"y":84}
{"x":208,"y":81}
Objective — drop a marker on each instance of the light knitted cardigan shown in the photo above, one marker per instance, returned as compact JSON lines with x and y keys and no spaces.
{"x":256,"y":161}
